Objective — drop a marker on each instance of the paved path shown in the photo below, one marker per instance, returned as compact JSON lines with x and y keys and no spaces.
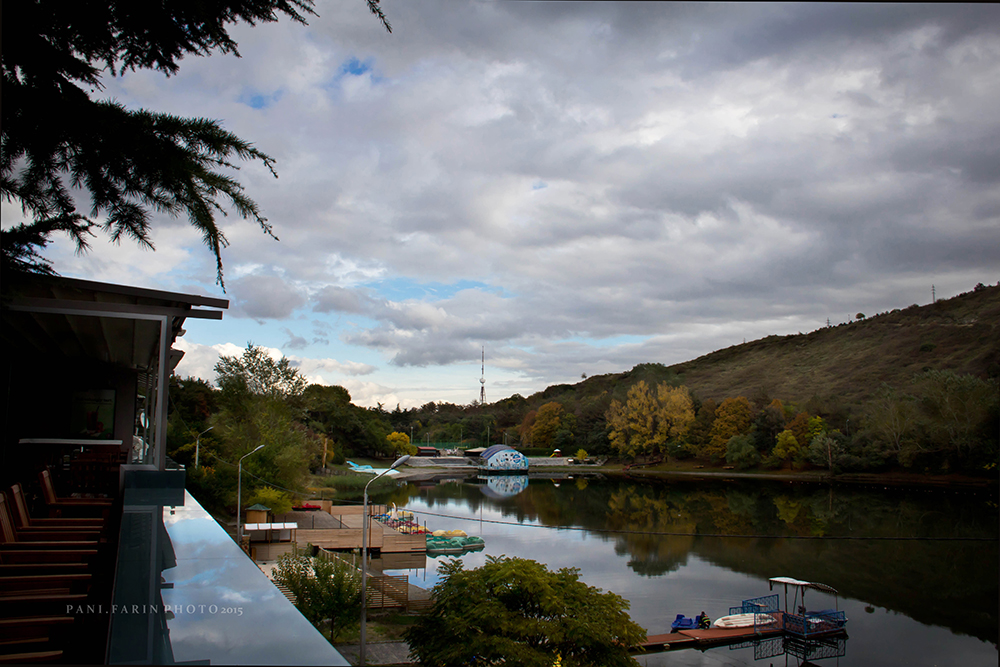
{"x":382,"y":653}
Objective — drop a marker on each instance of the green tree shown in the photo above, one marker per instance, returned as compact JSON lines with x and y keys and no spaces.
{"x":515,"y":611}
{"x":890,"y":416}
{"x":193,"y":402}
{"x":256,"y":373}
{"x":770,"y":421}
{"x":823,"y":449}
{"x":699,"y":432}
{"x":742,"y":452}
{"x":289,"y":447}
{"x":732,"y":417}
{"x":56,"y":138}
{"x":955,"y":412}
{"x":326,"y":589}
{"x":257,"y":395}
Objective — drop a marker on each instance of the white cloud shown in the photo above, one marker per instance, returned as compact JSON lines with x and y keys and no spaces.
{"x":711,"y":172}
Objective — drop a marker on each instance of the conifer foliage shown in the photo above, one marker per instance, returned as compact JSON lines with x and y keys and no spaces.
{"x":56,"y":138}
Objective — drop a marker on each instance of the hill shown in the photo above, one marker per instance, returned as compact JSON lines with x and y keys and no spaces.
{"x":832,"y":368}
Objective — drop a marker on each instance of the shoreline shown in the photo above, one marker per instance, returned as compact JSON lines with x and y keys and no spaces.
{"x":890,"y":479}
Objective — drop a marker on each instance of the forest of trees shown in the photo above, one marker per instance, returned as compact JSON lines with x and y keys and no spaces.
{"x":940,"y":421}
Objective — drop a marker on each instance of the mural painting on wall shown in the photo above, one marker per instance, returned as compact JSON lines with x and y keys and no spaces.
{"x":501,"y":457}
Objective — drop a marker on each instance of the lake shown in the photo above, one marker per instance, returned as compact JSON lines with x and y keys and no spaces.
{"x":916,"y":569}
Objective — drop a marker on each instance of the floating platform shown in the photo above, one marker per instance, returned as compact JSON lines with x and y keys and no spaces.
{"x":710,"y":637}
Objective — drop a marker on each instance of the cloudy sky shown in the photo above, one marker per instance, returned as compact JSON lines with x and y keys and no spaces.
{"x":578,"y":187}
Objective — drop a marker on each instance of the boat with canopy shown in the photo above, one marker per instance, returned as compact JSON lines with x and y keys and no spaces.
{"x":801,"y":621}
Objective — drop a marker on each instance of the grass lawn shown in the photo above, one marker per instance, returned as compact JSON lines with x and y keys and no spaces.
{"x":380,"y":627}
{"x":346,"y":484}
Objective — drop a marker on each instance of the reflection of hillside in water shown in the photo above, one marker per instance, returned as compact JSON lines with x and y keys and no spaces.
{"x":651,"y":555}
{"x":938,"y":582}
{"x":947,"y":583}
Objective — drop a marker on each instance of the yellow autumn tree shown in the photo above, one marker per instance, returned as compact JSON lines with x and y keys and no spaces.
{"x":647,"y":421}
{"x":734,"y":416}
{"x":546,"y":424}
{"x":787,"y":446}
{"x":400,"y":444}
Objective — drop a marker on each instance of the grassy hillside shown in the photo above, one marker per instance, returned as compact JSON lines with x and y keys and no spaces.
{"x":834,"y":366}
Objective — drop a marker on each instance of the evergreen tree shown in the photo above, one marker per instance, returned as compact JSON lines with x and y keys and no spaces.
{"x":56,"y":137}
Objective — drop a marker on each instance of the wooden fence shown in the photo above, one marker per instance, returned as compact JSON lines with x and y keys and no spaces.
{"x":387,"y":591}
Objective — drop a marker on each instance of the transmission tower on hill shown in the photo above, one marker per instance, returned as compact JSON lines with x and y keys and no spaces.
{"x":482,"y":380}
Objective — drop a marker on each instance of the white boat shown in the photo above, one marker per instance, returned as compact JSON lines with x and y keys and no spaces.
{"x":744,"y":621}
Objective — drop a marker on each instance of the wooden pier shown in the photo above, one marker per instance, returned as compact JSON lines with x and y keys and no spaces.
{"x":338,"y":527}
{"x":710,"y":637}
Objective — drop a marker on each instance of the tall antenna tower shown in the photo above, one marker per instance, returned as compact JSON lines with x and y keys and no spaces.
{"x":482,"y":380}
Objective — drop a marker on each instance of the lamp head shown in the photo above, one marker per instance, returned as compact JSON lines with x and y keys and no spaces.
{"x":400,"y":461}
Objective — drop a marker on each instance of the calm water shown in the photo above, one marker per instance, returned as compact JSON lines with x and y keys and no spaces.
{"x":931,"y":601}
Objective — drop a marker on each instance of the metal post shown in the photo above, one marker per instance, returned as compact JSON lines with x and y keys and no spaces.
{"x":239,"y":499}
{"x":197,"y":445}
{"x":364,"y":554}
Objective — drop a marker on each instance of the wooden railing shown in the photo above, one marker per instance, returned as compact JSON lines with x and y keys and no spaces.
{"x":388,"y":591}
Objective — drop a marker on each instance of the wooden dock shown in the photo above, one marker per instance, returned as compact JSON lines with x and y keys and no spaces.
{"x":707,"y":638}
{"x":342,"y":529}
{"x":710,"y":637}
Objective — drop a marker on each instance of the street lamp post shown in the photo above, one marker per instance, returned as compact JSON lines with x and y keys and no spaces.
{"x":364,"y":552}
{"x":239,"y":498}
{"x":197,"y":445}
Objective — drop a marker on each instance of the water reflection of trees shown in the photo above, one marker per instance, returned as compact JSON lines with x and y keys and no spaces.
{"x":651,"y":555}
{"x":950,"y":583}
{"x":939,"y":582}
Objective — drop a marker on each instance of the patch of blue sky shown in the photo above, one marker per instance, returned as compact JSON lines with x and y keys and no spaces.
{"x":354,"y":67}
{"x":539,"y":185}
{"x":257,"y":100}
{"x":402,"y":289}
{"x":610,"y":341}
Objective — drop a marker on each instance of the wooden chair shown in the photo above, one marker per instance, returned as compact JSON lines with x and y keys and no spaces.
{"x":57,"y":504}
{"x":38,"y":636}
{"x":42,"y":574}
{"x":23,"y":584}
{"x":42,"y":567}
{"x":24,"y":522}
{"x":11,"y":540}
